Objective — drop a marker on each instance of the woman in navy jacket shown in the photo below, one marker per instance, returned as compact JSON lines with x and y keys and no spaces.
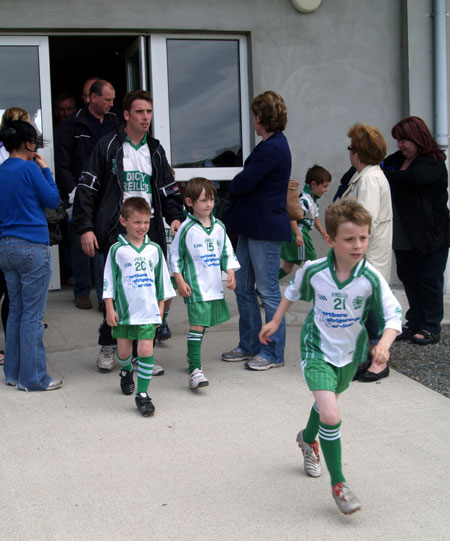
{"x":419,"y":186}
{"x":258,"y":215}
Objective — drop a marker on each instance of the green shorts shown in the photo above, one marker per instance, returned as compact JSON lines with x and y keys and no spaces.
{"x":208,"y":313}
{"x":298,"y":254}
{"x":322,"y":376}
{"x":134,"y":332}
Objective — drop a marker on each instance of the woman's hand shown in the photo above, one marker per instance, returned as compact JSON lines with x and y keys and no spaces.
{"x":40,"y":160}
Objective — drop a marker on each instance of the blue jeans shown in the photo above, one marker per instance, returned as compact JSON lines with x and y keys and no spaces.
{"x":260,"y":263}
{"x":27,"y":271}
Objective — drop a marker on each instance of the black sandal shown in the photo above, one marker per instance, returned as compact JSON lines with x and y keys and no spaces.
{"x":405,"y":334}
{"x":428,"y":338}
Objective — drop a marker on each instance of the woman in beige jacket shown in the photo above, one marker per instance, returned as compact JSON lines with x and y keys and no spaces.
{"x":370,"y":187}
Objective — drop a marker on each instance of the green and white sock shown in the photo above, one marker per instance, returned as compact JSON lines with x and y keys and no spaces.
{"x":312,"y":428}
{"x":330,"y":443}
{"x":125,"y":363}
{"x":194,"y":346}
{"x":145,"y":371}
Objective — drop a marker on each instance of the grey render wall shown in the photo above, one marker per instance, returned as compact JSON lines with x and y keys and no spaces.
{"x":336,"y":66}
{"x":350,"y":61}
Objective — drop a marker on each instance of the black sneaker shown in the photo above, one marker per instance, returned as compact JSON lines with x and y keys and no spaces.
{"x":126,"y":382}
{"x":144,"y":404}
{"x":163,"y":332}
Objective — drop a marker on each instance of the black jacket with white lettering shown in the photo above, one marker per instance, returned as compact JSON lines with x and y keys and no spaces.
{"x":74,"y":143}
{"x":99,"y":196}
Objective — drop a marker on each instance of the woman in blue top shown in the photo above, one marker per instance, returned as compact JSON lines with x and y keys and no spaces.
{"x":27,"y":188}
{"x":258,"y":215}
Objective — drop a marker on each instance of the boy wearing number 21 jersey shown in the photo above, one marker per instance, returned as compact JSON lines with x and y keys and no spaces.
{"x":344,"y":287}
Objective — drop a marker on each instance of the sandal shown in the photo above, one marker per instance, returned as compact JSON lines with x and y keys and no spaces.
{"x":428,"y":338}
{"x":405,"y":334}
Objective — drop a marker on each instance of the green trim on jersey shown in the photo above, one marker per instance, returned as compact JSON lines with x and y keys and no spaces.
{"x":141,"y":143}
{"x":188,"y":271}
{"x":123,"y":239}
{"x":119,"y":295}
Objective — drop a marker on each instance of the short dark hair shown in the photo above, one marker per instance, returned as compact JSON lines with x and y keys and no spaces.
{"x":97,"y":87}
{"x":319,"y":174}
{"x":195,"y":187}
{"x":134,"y":95}
{"x":271,"y":110}
{"x":63,"y":96}
{"x":343,"y":211}
{"x":16,"y":132}
{"x":135,"y":204}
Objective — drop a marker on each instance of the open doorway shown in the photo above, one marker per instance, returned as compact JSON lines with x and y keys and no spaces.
{"x":73,"y":59}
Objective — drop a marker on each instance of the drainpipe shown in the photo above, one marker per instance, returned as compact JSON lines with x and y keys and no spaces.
{"x":441,"y":90}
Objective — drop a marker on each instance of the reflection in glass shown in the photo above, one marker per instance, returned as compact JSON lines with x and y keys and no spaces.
{"x":204,"y":103}
{"x":19,"y":66}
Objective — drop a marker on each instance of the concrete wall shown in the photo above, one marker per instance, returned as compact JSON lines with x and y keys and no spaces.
{"x":350,"y":61}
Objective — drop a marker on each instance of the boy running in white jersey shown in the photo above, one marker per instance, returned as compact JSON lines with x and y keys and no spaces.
{"x":136,"y":284}
{"x":198,"y":254}
{"x":344,"y":288}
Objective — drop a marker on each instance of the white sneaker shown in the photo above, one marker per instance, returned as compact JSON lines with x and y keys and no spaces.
{"x":197,"y":379}
{"x":158,"y":370}
{"x":106,"y":359}
{"x":311,"y":458}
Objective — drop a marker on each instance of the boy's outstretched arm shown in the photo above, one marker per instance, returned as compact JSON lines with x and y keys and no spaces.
{"x":320,"y":229}
{"x":380,"y":352}
{"x":231,"y":279}
{"x":272,"y":326}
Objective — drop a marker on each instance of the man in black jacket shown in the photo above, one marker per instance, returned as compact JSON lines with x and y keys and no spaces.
{"x":76,"y":139}
{"x":127,"y":163}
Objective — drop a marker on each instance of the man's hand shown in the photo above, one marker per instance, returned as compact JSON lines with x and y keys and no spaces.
{"x":89,"y":243}
{"x":174,"y":227}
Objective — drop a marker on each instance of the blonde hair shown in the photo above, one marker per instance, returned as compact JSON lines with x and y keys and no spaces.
{"x":343,"y":211}
{"x":14,"y":113}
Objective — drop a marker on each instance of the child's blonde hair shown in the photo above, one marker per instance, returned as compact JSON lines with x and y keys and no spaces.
{"x":345,"y":210}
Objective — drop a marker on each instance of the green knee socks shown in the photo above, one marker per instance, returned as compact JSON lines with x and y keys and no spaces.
{"x":330,"y":443}
{"x":145,"y":371}
{"x":194,"y":346}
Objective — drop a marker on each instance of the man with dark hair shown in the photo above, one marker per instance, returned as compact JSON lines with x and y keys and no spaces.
{"x":73,"y":146}
{"x":64,"y":105}
{"x":124,"y":164}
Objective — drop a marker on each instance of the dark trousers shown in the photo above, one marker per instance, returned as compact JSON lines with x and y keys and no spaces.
{"x":105,"y":338}
{"x":423,"y":278}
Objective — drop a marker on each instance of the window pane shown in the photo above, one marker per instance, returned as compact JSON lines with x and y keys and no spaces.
{"x":19,"y":66}
{"x":204,"y":103}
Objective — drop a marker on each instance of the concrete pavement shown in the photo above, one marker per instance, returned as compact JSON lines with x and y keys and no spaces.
{"x":220,"y":463}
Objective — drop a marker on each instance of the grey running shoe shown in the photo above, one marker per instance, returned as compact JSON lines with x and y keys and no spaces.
{"x":345,"y":499}
{"x":235,"y":355}
{"x":260,"y":363}
{"x":158,"y":370}
{"x":106,"y":358}
{"x":311,"y":458}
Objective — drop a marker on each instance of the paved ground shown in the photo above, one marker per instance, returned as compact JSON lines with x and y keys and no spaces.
{"x":221,"y":463}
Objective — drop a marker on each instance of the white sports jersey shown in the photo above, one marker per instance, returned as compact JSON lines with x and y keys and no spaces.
{"x":334,"y":329}
{"x":137,"y":170}
{"x":200,"y":254}
{"x":136,"y":278}
{"x":310,"y":207}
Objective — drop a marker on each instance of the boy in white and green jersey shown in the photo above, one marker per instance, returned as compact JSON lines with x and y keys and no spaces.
{"x":136,"y":284}
{"x":199,"y":253}
{"x":344,"y":287}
